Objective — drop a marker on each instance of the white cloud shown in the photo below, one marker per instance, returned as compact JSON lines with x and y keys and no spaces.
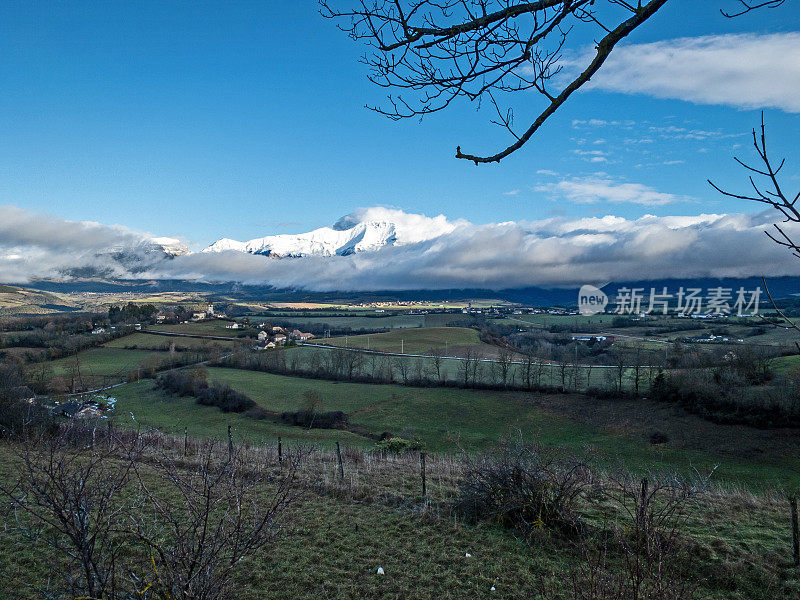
{"x":601,"y":188}
{"x":746,"y":70}
{"x":546,"y":252}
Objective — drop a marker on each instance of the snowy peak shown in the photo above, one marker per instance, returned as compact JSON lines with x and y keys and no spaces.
{"x":325,"y":241}
{"x":350,"y":235}
{"x":171,"y":246}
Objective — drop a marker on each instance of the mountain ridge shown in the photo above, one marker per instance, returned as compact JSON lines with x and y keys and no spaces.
{"x":348,"y":236}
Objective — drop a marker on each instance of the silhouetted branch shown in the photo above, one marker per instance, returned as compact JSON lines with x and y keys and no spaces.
{"x":769,"y":192}
{"x":442,"y":50}
{"x":746,"y":7}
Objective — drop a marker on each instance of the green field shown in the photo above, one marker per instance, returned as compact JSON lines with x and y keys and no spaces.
{"x":101,"y":365}
{"x":412,"y":341}
{"x":161,"y":342}
{"x":355,"y":322}
{"x":215,"y":328}
{"x":446,"y":420}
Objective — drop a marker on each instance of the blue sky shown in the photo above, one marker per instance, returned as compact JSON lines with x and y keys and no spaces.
{"x":206,"y":120}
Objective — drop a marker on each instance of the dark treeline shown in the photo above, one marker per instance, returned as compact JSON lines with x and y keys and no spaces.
{"x":69,"y":323}
{"x":131,"y":312}
{"x":56,"y":336}
{"x":737,"y":387}
{"x":17,"y":412}
{"x":343,"y":365}
{"x":741,"y":388}
{"x":194,"y":382}
{"x":310,"y":419}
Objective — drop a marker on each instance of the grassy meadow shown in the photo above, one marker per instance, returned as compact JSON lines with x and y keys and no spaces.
{"x":412,"y":341}
{"x":452,"y":420}
{"x":340,"y":531}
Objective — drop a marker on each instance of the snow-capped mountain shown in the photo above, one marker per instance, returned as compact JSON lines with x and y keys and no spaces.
{"x":171,"y":246}
{"x":364,"y":231}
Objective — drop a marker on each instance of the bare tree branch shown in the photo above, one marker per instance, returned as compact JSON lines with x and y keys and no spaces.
{"x":770,"y":192}
{"x":773,"y":195}
{"x":439,"y":51}
{"x":746,"y":7}
{"x":443,"y":50}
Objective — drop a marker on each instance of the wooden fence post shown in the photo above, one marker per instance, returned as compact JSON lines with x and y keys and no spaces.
{"x":339,"y":456}
{"x":422,"y":473}
{"x":795,"y":535}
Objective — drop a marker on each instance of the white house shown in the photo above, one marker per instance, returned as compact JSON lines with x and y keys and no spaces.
{"x":299,"y":335}
{"x":263,"y":336}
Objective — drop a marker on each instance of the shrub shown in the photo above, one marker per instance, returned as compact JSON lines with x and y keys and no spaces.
{"x":523,"y":487}
{"x":225,"y":398}
{"x":398,"y":445}
{"x":658,"y":437}
{"x":193,"y":383}
{"x":313,"y":420}
{"x":257,"y":413}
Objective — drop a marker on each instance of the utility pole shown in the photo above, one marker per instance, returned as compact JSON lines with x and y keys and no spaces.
{"x":402,"y":350}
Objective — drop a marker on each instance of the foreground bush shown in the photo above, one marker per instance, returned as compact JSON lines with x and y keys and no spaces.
{"x":523,"y":487}
{"x":398,"y":445}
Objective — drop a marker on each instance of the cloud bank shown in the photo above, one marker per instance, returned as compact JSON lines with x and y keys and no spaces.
{"x":743,"y":70}
{"x":547,"y":252}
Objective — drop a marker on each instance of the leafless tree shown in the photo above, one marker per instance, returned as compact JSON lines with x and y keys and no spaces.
{"x":439,"y":51}
{"x":527,"y":369}
{"x":637,"y":367}
{"x":767,"y":189}
{"x":477,"y":368}
{"x":67,"y":494}
{"x":312,"y":403}
{"x":403,"y":367}
{"x":419,"y":370}
{"x":616,"y":374}
{"x":220,"y":512}
{"x":764,"y":178}
{"x":465,"y":367}
{"x":652,"y":513}
{"x":437,"y":357}
{"x":505,"y":358}
{"x":354,"y":363}
{"x":374,"y":361}
{"x":127,"y":517}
